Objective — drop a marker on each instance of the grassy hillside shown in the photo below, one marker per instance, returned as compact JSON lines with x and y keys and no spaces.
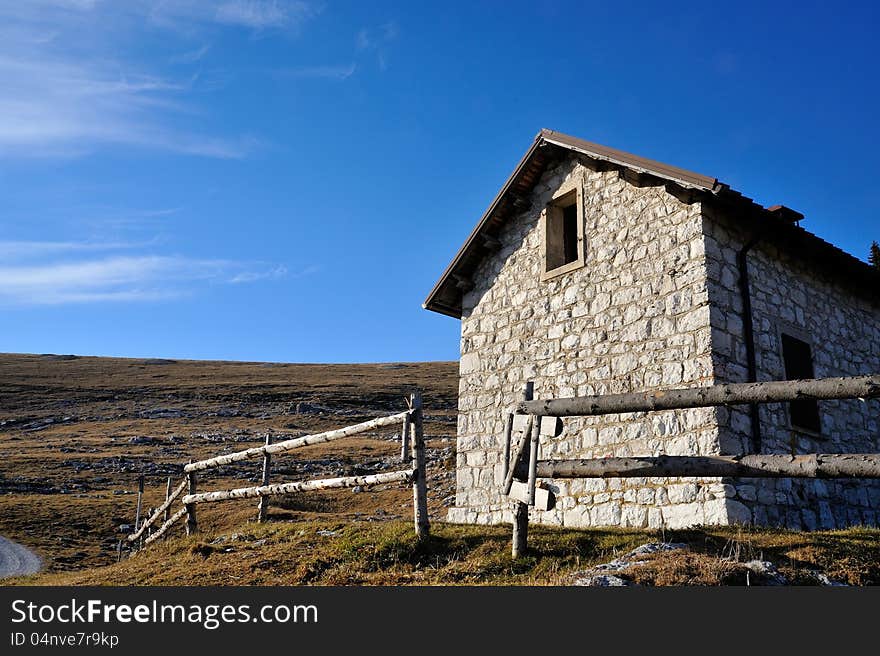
{"x":75,"y":433}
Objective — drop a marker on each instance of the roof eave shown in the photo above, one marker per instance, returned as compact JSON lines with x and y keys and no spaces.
{"x":430,"y":302}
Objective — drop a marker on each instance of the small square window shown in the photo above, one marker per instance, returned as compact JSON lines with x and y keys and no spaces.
{"x":563,"y":235}
{"x":798,"y":359}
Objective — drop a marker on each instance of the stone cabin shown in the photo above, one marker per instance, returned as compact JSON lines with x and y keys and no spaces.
{"x":596,"y":271}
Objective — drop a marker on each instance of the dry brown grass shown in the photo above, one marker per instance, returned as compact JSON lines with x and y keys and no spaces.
{"x":66,"y":489}
{"x":717,"y":556}
{"x":362,"y":552}
{"x":355,"y":553}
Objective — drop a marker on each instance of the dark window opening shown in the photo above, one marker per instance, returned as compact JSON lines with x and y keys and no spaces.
{"x":798,"y":358}
{"x":569,"y":233}
{"x":563,"y":243}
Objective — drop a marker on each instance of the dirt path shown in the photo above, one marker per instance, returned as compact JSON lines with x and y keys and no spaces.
{"x":17,"y":560}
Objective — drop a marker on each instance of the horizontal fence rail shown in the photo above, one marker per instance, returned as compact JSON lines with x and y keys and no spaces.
{"x":815,"y":465}
{"x":702,"y":397}
{"x":295,"y":443}
{"x":525,"y":471}
{"x":412,"y":453}
{"x":301,"y":486}
{"x":159,"y":511}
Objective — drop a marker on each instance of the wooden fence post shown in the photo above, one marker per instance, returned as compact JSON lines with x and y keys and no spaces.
{"x":192,"y":525}
{"x":137,"y":512}
{"x":420,"y":482}
{"x":533,"y":459}
{"x":263,"y":506}
{"x":521,"y":510}
{"x":167,"y":494}
{"x":404,"y":435}
{"x":508,"y":432}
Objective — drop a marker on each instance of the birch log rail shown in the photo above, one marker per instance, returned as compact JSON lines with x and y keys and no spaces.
{"x":300,"y":486}
{"x":289,"y":445}
{"x":413,"y":436}
{"x":159,"y":511}
{"x":164,"y":528}
{"x":863,"y":387}
{"x":814,"y":465}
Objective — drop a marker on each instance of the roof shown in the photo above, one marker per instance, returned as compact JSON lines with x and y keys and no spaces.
{"x":777,"y":222}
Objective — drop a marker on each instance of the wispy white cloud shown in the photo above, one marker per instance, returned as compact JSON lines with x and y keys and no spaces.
{"x":342,"y":72}
{"x":253,"y":15}
{"x":253,"y":276}
{"x":370,"y":38}
{"x":65,"y":90}
{"x":54,"y":106}
{"x":68,"y":272}
{"x":261,"y":14}
{"x":191,"y":56}
{"x":25,"y":250}
{"x":122,"y":223}
{"x":376,"y":40}
{"x":110,"y":278}
{"x":369,"y":42}
{"x":307,"y":271}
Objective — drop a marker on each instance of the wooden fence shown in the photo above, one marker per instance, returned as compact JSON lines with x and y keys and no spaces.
{"x":530,"y":421}
{"x":412,"y":451}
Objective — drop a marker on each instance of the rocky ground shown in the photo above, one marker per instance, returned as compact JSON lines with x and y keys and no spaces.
{"x":76,"y":432}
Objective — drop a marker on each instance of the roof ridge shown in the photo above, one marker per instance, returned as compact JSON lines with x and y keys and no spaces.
{"x":636,"y":162}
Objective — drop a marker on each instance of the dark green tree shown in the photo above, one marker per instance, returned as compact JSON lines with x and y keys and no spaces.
{"x":874,"y":257}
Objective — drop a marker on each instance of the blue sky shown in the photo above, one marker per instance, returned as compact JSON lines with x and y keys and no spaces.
{"x":285,"y":180}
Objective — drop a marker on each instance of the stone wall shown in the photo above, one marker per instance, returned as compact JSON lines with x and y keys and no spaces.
{"x":844,"y":331}
{"x":636,"y":317}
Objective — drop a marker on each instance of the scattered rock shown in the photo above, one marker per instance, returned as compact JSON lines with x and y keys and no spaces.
{"x":42,"y":424}
{"x":766,"y":572}
{"x":227,"y":412}
{"x":303,"y":408}
{"x":142,"y":439}
{"x":602,"y":581}
{"x":161,"y":413}
{"x":326,"y":533}
{"x":598,"y":575}
{"x":357,"y":489}
{"x":823,"y":579}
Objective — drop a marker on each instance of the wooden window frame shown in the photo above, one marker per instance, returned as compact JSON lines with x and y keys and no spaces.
{"x":572,"y":191}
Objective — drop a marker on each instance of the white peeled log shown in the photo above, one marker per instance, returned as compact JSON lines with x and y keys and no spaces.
{"x":159,"y":511}
{"x":862,"y":387}
{"x":168,"y":524}
{"x":295,"y":443}
{"x":815,"y":465}
{"x":300,"y":486}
